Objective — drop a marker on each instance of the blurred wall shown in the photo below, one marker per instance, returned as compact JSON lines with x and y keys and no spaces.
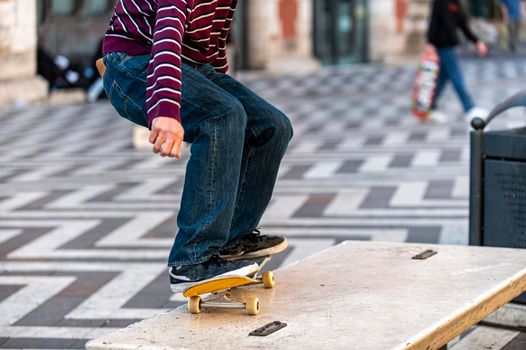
{"x":283,"y":36}
{"x":73,"y":28}
{"x":18,"y":80}
{"x":296,"y":35}
{"x":280,"y":35}
{"x":398,"y":29}
{"x":384,"y":40}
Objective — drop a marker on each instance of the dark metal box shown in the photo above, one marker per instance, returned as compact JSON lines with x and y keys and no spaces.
{"x":498,"y":183}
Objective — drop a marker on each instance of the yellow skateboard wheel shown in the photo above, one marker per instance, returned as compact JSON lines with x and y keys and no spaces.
{"x":268,"y":280}
{"x":194,"y":305}
{"x":252,"y":306}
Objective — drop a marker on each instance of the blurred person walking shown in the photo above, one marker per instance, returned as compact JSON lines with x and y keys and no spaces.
{"x":447,"y":17}
{"x":512,"y":15}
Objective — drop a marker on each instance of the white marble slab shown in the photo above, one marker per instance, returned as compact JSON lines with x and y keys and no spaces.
{"x":358,"y":295}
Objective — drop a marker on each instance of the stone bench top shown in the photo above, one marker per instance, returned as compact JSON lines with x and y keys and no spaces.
{"x":357,"y":295}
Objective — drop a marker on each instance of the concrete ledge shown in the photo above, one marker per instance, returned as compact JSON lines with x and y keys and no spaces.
{"x":359,"y":295}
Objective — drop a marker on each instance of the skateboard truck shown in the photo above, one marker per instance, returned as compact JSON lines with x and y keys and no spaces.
{"x":223,"y":300}
{"x":219,"y":296}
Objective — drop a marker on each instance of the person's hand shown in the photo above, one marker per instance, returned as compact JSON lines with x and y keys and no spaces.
{"x":167,"y":136}
{"x":430,"y":49}
{"x":482,"y":49}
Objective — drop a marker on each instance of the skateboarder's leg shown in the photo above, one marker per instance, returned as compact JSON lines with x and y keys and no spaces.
{"x":214,"y":123}
{"x":125,"y":84}
{"x":513,"y":35}
{"x":267,"y":136}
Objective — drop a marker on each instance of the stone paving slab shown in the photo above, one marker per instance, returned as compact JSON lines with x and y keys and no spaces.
{"x":489,"y":338}
{"x":80,"y":208}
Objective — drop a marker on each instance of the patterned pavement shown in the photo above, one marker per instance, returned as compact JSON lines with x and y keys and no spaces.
{"x":86,"y":221}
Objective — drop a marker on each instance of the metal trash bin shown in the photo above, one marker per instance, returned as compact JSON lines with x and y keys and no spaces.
{"x":498,"y":183}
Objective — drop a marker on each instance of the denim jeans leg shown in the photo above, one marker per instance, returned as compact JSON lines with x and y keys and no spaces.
{"x":214,"y":124}
{"x":514,"y":35}
{"x":441,"y":83}
{"x":267,"y":136}
{"x":125,"y":85}
{"x":452,"y":66}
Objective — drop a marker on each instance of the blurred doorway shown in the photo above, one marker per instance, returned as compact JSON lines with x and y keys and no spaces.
{"x":340,"y":31}
{"x":239,"y":36}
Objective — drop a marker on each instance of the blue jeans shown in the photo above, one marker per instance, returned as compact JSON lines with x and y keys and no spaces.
{"x":237,"y":143}
{"x":450,"y":70}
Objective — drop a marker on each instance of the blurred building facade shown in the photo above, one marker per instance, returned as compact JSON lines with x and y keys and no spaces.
{"x":18,"y":40}
{"x":73,"y":28}
{"x":332,"y":31}
{"x":275,"y":35}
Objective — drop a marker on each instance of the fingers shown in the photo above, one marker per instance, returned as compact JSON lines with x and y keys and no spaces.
{"x":168,"y":144}
{"x":172,"y":147}
{"x":176,"y":150}
{"x":159,"y":141}
{"x":154,"y":133}
{"x":167,"y":136}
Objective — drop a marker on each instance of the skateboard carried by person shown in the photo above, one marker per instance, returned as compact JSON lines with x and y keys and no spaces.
{"x":219,"y":294}
{"x":425,"y":83}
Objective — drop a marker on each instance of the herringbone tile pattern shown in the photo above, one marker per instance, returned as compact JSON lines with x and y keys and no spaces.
{"x":86,"y":221}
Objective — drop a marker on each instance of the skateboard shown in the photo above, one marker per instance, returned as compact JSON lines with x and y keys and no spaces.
{"x":219,"y":294}
{"x":425,"y":83}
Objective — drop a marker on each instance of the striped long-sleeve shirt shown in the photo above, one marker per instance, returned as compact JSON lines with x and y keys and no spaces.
{"x":170,"y":30}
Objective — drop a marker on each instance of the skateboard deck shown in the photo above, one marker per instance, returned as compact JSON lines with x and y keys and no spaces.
{"x":217,"y":284}
{"x":425,"y":83}
{"x":219,"y":289}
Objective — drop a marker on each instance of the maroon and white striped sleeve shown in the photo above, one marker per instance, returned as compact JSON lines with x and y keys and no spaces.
{"x":221,"y":62}
{"x":164,"y":80}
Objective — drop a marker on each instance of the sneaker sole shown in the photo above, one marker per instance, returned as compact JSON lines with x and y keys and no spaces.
{"x":229,"y":257}
{"x":180,"y":287}
{"x":248,"y":270}
{"x":263,"y":252}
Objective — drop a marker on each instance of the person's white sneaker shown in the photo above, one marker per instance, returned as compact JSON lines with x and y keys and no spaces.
{"x":476,"y":112}
{"x":438,"y":117}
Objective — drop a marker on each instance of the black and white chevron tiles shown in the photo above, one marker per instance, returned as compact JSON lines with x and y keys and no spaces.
{"x":86,"y":221}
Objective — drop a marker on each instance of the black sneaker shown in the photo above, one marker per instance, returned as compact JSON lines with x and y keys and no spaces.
{"x":182,"y":277}
{"x":254,"y":245}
